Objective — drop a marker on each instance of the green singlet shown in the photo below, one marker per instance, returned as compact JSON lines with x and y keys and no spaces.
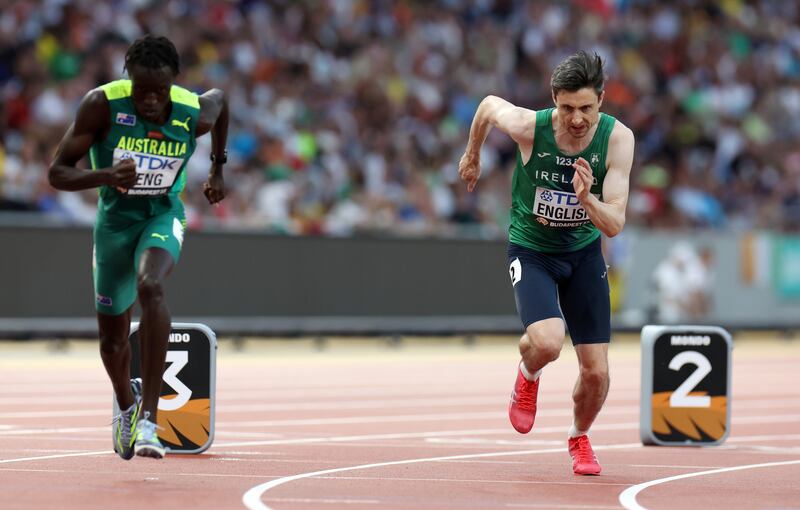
{"x":546,"y":215}
{"x":151,"y":213}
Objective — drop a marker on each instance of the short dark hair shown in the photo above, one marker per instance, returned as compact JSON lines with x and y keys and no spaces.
{"x":578,"y":71}
{"x":153,"y":53}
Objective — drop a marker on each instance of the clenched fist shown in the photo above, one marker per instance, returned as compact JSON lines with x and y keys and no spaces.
{"x":123,"y":175}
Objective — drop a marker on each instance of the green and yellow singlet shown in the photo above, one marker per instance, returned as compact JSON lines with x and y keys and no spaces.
{"x":159,"y":151}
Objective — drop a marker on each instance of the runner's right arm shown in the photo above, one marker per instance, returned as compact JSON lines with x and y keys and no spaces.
{"x":518,"y":123}
{"x":91,"y":124}
{"x":608,"y":215}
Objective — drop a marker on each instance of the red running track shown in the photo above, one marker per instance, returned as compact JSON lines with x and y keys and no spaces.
{"x":361,"y":425}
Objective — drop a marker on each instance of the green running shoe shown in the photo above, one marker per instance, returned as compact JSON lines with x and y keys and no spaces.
{"x":125,"y":423}
{"x":145,"y":439}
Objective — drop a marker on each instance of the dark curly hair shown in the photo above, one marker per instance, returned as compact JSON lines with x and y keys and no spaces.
{"x":153,"y":53}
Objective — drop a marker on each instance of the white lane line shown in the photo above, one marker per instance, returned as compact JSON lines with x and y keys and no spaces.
{"x":245,"y":399}
{"x":509,"y":462}
{"x":62,"y":430}
{"x":550,"y":505}
{"x":432,"y":436}
{"x":484,"y":441}
{"x":413,"y":435}
{"x":13,"y":433}
{"x":460,"y":480}
{"x":672,"y":466}
{"x":252,"y":498}
{"x":763,"y":437}
{"x":162,"y":475}
{"x":49,"y":451}
{"x":628,"y":497}
{"x":217,"y":451}
{"x":364,"y":437}
{"x":278,"y":460}
{"x":406,"y":418}
{"x":327,"y":501}
{"x":252,"y":435}
{"x":351,"y":420}
{"x":59,"y":456}
{"x":28,"y":470}
{"x":312,"y":405}
{"x":56,"y":414}
{"x":553,"y":412}
{"x":399,"y":418}
{"x":305,"y":440}
{"x":309,"y":421}
{"x":776,"y":450}
{"x":425,"y":435}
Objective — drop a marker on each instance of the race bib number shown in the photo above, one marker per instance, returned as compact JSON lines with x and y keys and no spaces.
{"x":558,"y":209}
{"x":155,"y":175}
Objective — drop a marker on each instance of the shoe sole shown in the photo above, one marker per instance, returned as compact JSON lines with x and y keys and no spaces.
{"x":521,"y":431}
{"x":150,"y":451}
{"x":593,"y":472}
{"x":129,"y":456}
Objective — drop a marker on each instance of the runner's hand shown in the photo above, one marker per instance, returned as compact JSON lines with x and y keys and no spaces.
{"x":469,"y":169}
{"x":583,"y":179}
{"x":123,"y":175}
{"x":214,"y":188}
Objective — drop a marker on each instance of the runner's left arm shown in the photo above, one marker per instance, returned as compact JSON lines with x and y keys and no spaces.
{"x":608,"y":215}
{"x":517,"y":122}
{"x":214,"y":118}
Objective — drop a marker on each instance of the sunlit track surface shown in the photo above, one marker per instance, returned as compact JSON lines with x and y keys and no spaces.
{"x":363,"y":424}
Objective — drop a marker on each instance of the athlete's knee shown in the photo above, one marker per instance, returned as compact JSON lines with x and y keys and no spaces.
{"x":149,"y":288}
{"x":595,"y":376}
{"x":524,"y":344}
{"x":111,"y":344}
{"x":546,"y":339}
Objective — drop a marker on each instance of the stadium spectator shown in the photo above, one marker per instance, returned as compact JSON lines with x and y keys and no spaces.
{"x":349,"y":116}
{"x":683,"y":285}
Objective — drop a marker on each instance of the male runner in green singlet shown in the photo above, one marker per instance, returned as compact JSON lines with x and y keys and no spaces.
{"x":139,"y":134}
{"x":569,"y":186}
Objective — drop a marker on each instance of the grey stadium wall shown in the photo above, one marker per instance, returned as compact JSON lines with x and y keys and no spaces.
{"x":248,"y":283}
{"x":252,"y":283}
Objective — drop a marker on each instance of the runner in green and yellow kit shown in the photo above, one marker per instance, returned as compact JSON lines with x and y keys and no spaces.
{"x":139,"y":134}
{"x":570,"y":185}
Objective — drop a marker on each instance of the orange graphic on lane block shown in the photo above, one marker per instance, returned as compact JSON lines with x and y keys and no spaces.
{"x":190,"y":421}
{"x":690,"y":421}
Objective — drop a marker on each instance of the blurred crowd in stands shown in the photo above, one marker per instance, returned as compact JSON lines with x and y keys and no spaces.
{"x":350,"y":116}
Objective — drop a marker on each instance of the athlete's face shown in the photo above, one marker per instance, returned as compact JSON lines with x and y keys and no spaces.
{"x":150,"y":91}
{"x":578,"y":111}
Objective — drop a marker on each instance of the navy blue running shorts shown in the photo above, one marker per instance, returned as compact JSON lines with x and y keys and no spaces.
{"x":572,"y":286}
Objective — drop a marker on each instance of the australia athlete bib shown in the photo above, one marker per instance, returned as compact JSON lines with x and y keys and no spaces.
{"x":155,"y":174}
